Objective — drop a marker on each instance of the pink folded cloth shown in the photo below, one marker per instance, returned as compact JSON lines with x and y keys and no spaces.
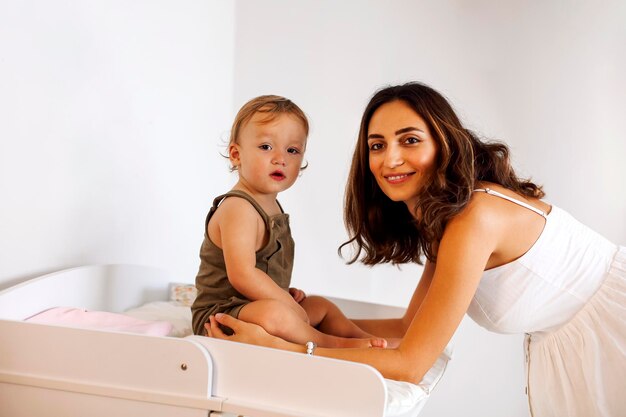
{"x":102,"y":320}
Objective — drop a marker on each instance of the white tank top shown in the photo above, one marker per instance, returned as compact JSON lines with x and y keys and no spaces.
{"x":546,"y":286}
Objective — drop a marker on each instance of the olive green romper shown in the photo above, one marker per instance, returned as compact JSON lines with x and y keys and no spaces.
{"x":215,"y":292}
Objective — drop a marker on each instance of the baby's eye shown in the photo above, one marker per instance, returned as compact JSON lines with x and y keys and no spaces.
{"x":293,"y":151}
{"x":265,"y":147}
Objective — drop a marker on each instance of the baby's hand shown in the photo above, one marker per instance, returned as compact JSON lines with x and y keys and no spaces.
{"x":298,"y":295}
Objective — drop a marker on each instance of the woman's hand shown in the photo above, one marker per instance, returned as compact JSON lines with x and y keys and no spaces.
{"x":243,"y":332}
{"x":297,"y":294}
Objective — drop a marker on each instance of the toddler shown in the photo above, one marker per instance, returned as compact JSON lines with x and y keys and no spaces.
{"x":247,"y":253}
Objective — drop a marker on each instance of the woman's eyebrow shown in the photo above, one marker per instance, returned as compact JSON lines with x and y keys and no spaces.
{"x":398,"y":132}
{"x":408,"y":129}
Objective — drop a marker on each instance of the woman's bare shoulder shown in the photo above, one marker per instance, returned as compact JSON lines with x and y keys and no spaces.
{"x":480,"y":210}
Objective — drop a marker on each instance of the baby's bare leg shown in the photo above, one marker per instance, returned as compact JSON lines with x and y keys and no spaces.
{"x":328,"y":318}
{"x":278,"y":319}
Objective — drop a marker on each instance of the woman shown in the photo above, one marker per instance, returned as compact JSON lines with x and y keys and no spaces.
{"x":421,"y":185}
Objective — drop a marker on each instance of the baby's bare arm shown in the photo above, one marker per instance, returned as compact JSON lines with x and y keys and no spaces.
{"x":239,"y":235}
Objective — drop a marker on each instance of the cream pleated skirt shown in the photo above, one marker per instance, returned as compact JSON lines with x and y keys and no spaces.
{"x":579,"y":370}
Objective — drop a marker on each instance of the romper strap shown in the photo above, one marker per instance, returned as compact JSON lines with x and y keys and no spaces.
{"x":513,"y":200}
{"x":241,"y":194}
{"x":280,"y":207}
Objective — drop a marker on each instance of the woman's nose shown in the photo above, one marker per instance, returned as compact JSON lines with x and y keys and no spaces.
{"x":393,"y":157}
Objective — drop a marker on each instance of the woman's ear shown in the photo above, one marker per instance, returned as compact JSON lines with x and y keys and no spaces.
{"x":234,"y":155}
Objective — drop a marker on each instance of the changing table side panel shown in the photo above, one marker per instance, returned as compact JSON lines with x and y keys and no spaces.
{"x":249,"y":377}
{"x":82,"y":369}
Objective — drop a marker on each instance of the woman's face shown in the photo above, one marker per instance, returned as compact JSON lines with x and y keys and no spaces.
{"x":402,"y":152}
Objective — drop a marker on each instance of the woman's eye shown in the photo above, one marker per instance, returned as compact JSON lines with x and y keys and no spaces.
{"x":411,"y":140}
{"x":376,"y":146}
{"x":265,"y":147}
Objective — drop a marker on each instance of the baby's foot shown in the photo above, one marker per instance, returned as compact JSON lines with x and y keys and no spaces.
{"x":372,"y":342}
{"x":377,"y":342}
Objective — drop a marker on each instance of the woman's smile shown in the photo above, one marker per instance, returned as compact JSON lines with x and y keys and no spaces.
{"x":398,"y":178}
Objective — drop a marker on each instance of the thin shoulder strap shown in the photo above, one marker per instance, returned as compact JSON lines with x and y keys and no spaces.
{"x":513,"y":200}
{"x":245,"y":196}
{"x":280,"y":207}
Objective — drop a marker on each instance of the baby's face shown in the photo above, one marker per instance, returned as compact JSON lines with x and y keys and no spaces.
{"x":269,"y":154}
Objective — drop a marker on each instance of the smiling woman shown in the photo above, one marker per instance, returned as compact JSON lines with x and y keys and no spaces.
{"x":412,"y":130}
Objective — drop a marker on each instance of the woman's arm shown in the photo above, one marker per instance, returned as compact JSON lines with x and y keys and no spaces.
{"x":465,"y":248}
{"x":468,"y":242}
{"x":396,"y":328}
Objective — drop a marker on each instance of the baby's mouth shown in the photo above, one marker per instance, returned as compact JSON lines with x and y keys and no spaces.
{"x":278,"y":175}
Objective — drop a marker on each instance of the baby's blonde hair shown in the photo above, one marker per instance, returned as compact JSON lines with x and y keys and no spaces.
{"x":271,"y":106}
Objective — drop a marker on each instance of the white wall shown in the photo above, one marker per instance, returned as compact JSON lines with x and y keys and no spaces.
{"x":546,"y":77}
{"x":110,"y":114}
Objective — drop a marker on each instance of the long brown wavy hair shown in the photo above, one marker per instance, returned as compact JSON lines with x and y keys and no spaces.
{"x":386,"y":231}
